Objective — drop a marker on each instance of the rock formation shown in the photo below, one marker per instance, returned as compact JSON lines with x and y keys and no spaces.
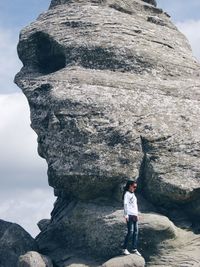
{"x":130,"y":261}
{"x":113,"y":91}
{"x":34,"y":259}
{"x":14,"y":241}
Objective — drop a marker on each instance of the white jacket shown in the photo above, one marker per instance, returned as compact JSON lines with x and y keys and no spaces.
{"x":130,"y":204}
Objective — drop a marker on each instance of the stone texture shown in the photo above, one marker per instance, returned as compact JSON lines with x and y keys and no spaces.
{"x":62,"y":257}
{"x":183,"y":251}
{"x":128,"y":261}
{"x":34,"y":259}
{"x":98,"y":230}
{"x":152,"y":2}
{"x":113,"y":91}
{"x":14,"y":241}
{"x":62,"y":2}
{"x":42,"y":224}
{"x":109,"y":90}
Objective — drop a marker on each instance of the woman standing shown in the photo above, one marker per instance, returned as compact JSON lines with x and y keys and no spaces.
{"x":131,"y":216}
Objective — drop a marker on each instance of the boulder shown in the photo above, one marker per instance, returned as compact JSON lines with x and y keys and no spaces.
{"x":99,"y":230}
{"x":34,"y":259}
{"x":125,"y":261}
{"x":14,"y":241}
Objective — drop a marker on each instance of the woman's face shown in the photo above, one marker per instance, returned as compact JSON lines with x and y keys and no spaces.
{"x":133,"y":187}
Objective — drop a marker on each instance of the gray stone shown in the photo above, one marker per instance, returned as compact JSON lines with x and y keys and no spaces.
{"x":62,"y":2}
{"x":113,"y":91}
{"x":34,"y":259}
{"x":42,"y":224}
{"x":183,"y":251}
{"x":62,"y":257}
{"x":14,"y":241}
{"x":156,"y":20}
{"x":152,"y":2}
{"x":125,"y":261}
{"x":99,"y":230}
{"x":89,"y":88}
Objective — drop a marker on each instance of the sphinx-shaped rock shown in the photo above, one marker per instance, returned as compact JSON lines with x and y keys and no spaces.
{"x":113,"y":91}
{"x":110,"y":92}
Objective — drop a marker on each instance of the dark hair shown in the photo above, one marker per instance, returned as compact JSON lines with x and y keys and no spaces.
{"x":126,"y":187}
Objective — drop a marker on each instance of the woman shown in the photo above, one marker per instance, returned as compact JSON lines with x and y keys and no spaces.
{"x":131,"y":216}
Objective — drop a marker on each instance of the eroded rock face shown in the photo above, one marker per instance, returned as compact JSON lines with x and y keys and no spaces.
{"x":113,"y":91}
{"x":62,"y":2}
{"x":100,"y":230}
{"x":107,"y":90}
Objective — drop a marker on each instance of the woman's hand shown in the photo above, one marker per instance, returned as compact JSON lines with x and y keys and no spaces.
{"x":126,"y":218}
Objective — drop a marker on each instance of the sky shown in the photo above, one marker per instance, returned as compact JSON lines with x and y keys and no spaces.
{"x":25,"y":196}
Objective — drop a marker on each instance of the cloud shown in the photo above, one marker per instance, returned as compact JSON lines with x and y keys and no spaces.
{"x":185,"y":14}
{"x":25,"y":197}
{"x":27,"y":207}
{"x":9,"y":61}
{"x":191,"y":30}
{"x":20,"y":164}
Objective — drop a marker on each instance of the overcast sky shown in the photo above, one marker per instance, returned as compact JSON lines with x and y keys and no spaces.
{"x":25,"y":196}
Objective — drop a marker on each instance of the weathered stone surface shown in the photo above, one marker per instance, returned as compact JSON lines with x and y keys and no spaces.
{"x":125,"y":261}
{"x":113,"y":91}
{"x":99,"y":230}
{"x":34,"y":259}
{"x":152,"y":2}
{"x":62,"y":2}
{"x":108,"y":90}
{"x":14,"y":241}
{"x":183,"y":251}
{"x":62,"y":257}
